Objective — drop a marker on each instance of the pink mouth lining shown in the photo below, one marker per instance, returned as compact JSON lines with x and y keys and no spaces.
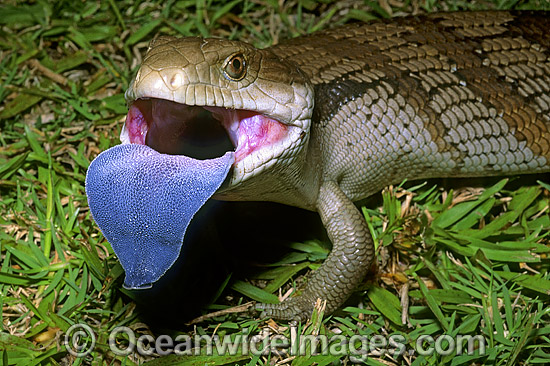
{"x":136,"y":122}
{"x":168,"y":127}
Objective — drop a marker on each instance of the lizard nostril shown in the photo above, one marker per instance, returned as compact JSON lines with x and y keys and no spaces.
{"x":176,"y":80}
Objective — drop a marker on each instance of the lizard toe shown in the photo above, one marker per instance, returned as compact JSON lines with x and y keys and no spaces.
{"x":294,"y":309}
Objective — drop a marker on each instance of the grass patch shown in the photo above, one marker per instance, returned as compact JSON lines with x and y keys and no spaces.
{"x":471,"y":262}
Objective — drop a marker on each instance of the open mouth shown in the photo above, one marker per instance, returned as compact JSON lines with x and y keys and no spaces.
{"x":201,"y":132}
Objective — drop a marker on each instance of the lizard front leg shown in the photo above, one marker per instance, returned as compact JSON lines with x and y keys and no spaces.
{"x":345,"y":267}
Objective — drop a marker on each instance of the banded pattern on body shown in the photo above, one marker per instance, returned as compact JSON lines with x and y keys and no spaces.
{"x":453,"y":94}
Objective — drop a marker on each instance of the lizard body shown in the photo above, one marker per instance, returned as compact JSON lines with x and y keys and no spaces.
{"x":323,"y":120}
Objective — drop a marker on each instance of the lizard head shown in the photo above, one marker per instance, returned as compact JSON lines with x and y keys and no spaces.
{"x":202,"y":112}
{"x":201,"y":97}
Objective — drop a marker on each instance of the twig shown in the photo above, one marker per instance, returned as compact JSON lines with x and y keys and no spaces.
{"x":234,"y":309}
{"x":48,"y":73}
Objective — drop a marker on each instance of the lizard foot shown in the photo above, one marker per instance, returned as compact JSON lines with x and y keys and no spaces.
{"x":297,"y":308}
{"x":344,"y":268}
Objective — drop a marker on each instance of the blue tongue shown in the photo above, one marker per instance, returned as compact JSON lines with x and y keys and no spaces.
{"x":143,"y":202}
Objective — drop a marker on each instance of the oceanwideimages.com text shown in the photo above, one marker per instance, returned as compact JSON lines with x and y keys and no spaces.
{"x":80,"y":340}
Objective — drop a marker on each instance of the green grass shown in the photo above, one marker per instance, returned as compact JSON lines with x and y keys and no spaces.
{"x":458,"y":262}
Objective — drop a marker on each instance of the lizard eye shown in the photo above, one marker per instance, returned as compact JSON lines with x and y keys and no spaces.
{"x":235,"y":67}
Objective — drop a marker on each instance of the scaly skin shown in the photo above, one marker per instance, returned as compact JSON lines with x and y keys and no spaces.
{"x":443,"y":95}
